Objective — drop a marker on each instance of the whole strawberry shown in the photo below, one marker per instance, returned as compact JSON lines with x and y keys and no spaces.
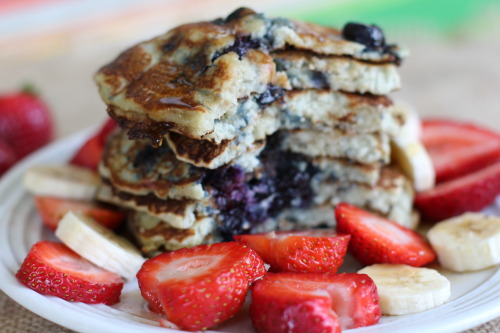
{"x":25,"y":122}
{"x":7,"y":157}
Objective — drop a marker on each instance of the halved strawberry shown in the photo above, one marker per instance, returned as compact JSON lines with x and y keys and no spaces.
{"x":52,"y":268}
{"x":377,"y":240}
{"x":109,"y":126}
{"x":199,"y":287}
{"x":457,"y":149}
{"x":469,"y":193}
{"x":52,"y":210}
{"x":308,"y":251}
{"x":306,"y":302}
{"x":89,"y":155}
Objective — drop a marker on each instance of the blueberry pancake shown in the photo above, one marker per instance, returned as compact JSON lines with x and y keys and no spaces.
{"x":188,"y":78}
{"x":248,"y":124}
{"x":172,"y":197}
{"x":309,"y":109}
{"x":306,"y":69}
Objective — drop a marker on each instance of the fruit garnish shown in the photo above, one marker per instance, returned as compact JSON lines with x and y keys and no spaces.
{"x":308,"y":251}
{"x":109,"y":126}
{"x":370,"y":35}
{"x":307,"y":302}
{"x":7,"y":157}
{"x":409,"y":153}
{"x":89,"y":154}
{"x":457,"y":149}
{"x":469,"y":193}
{"x":468,"y":242}
{"x":405,"y":289}
{"x":52,"y":210}
{"x":61,"y":181}
{"x":52,"y":268}
{"x":25,"y":122}
{"x":99,"y":245}
{"x":376,"y":239}
{"x":199,"y":287}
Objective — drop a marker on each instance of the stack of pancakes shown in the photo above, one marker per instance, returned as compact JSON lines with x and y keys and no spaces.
{"x":249,"y":123}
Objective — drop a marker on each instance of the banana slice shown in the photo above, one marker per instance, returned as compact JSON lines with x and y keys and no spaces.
{"x":411,"y":130}
{"x":99,"y":245}
{"x":409,"y":153}
{"x":468,"y":242}
{"x":405,"y":289}
{"x":62,"y":181}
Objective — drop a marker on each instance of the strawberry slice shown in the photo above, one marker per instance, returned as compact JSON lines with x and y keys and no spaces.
{"x":89,"y":155}
{"x":377,"y":240}
{"x":52,"y":268}
{"x":466,"y":194}
{"x":457,"y":149}
{"x":306,"y":302}
{"x":52,"y":210}
{"x":109,"y":126}
{"x":199,"y":287}
{"x":308,"y":251}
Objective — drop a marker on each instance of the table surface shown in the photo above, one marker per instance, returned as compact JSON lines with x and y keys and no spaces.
{"x":458,"y":78}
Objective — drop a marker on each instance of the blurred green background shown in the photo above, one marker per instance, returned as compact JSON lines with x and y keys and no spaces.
{"x":406,"y":18}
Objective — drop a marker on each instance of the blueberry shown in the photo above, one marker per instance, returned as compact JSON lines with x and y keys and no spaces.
{"x":149,"y":157}
{"x":319,"y":80}
{"x":245,"y":202}
{"x":270,"y":95}
{"x":240,"y":46}
{"x":369,"y":35}
{"x":239,"y":13}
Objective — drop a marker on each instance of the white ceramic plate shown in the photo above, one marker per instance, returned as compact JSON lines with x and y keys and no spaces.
{"x":475,"y":297}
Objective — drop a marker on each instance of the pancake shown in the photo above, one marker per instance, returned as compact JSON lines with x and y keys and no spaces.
{"x":185,"y":80}
{"x":154,"y":235}
{"x":180,"y":214}
{"x":338,"y":169}
{"x":322,"y":109}
{"x":392,"y":196}
{"x":360,"y":148}
{"x":308,"y":70}
{"x":310,"y":109}
{"x":138,"y":168}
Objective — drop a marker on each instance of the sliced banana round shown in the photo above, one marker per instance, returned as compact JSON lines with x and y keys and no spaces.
{"x":411,"y":129}
{"x":415,"y":163}
{"x":405,"y":289}
{"x":409,"y":153}
{"x":99,"y":245}
{"x":62,"y":181}
{"x":468,"y":242}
